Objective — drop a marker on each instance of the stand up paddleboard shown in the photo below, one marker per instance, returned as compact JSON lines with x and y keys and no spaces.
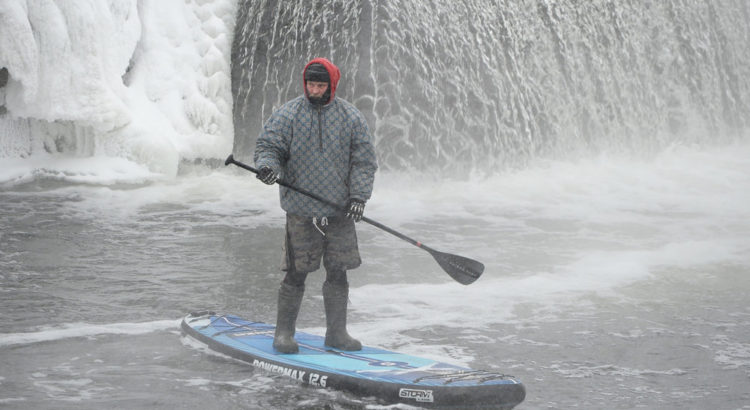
{"x":390,"y":376}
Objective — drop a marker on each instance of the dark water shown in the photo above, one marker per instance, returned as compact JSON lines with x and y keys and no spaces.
{"x":590,"y":305}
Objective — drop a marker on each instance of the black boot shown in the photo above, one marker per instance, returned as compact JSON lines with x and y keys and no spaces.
{"x":290,"y":298}
{"x":335,"y":298}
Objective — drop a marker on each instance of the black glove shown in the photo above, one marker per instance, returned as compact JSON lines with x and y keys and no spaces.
{"x":354,"y":209}
{"x":266,"y":175}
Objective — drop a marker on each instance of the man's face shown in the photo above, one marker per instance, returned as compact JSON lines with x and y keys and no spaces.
{"x":316,"y":89}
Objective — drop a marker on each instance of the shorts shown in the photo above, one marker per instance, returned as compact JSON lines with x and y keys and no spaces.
{"x":307,"y":243}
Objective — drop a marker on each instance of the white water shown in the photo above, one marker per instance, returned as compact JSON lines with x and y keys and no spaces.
{"x":485,"y":85}
{"x":646,"y":257}
{"x":73,"y":330}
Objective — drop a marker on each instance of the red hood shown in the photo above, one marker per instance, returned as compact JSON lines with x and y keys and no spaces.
{"x":333,"y":72}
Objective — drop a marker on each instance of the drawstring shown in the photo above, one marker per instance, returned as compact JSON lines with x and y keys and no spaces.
{"x":323,"y":223}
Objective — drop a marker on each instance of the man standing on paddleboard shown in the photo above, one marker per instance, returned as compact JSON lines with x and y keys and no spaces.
{"x":321,"y":144}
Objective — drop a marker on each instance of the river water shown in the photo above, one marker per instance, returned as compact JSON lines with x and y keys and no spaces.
{"x":610,"y":282}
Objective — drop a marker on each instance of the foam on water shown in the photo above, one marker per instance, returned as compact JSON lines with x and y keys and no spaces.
{"x":589,"y":228}
{"x":732,"y":354}
{"x":73,"y":330}
{"x":100,"y":170}
{"x":604,"y":222}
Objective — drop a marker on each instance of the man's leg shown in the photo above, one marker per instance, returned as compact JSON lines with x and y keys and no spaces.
{"x":290,"y":295}
{"x":335,"y":300}
{"x":289,"y":301}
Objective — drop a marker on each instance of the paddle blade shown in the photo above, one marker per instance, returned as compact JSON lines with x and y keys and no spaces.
{"x":462,"y":270}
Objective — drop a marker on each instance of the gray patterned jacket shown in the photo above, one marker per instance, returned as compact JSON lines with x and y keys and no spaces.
{"x":325,"y":150}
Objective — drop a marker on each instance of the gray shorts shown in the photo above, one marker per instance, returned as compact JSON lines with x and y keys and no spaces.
{"x":306,"y":243}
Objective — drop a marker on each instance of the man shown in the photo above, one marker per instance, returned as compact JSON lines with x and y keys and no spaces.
{"x":321,"y":144}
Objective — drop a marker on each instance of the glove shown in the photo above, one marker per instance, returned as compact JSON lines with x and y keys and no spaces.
{"x":266,"y":175}
{"x":354,"y":209}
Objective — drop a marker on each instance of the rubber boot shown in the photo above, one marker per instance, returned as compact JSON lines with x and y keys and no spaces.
{"x":335,"y":298}
{"x":290,"y":299}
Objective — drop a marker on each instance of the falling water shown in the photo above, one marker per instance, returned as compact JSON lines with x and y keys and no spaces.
{"x":492,"y":83}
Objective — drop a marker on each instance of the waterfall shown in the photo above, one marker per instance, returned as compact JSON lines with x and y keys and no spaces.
{"x":478,"y":85}
{"x":489,"y":84}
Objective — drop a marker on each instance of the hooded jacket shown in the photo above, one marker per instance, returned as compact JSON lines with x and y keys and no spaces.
{"x":326,"y":150}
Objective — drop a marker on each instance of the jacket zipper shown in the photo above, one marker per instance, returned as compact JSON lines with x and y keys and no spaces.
{"x":320,"y":128}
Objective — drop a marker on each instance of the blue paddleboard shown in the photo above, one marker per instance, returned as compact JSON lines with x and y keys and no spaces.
{"x":390,"y":376}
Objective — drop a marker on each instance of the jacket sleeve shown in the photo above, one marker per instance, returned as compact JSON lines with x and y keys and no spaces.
{"x":363,"y":163}
{"x":272,"y":146}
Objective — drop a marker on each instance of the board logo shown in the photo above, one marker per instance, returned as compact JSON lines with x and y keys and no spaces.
{"x":423,"y":396}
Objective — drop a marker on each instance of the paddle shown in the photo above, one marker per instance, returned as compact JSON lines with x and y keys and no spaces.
{"x":462,"y":270}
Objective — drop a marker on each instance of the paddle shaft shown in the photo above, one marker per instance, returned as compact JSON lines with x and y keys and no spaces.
{"x":463,"y":270}
{"x":231,"y":160}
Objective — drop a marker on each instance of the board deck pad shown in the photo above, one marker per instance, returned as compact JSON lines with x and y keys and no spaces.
{"x":390,"y":376}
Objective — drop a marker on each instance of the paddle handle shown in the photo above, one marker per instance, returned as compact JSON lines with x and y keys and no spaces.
{"x":231,"y":160}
